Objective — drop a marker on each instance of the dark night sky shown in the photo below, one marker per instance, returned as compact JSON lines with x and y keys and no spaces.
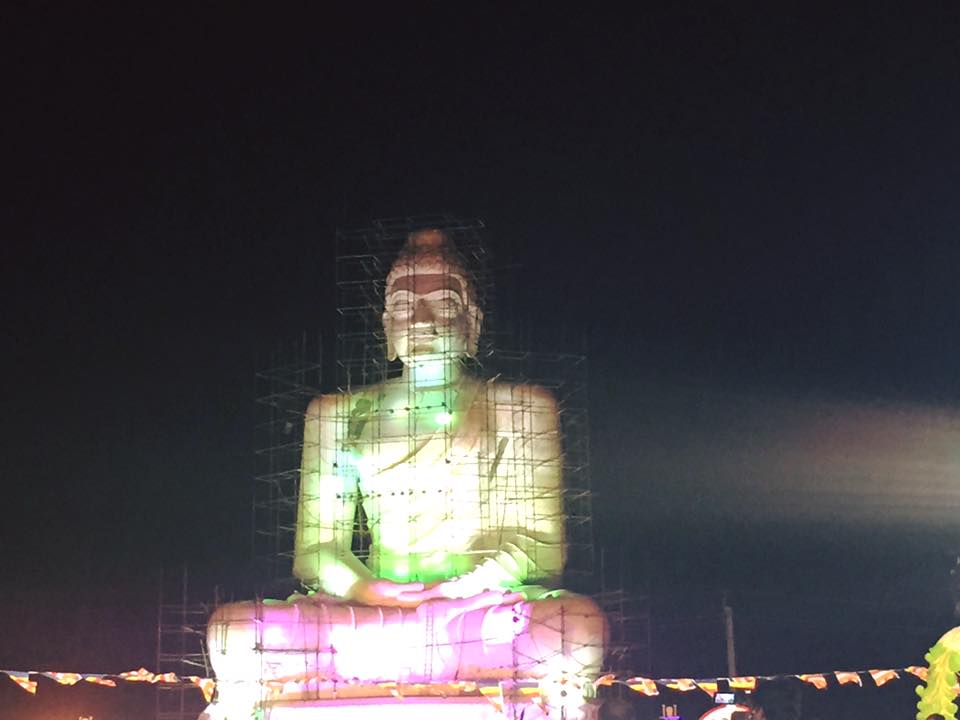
{"x":750,"y":212}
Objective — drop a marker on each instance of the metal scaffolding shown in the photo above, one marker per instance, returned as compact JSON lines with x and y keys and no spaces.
{"x":629,"y":649}
{"x":486,"y":468}
{"x":365,"y":256}
{"x":181,"y":647}
{"x":287,"y":383}
{"x":292,"y":377}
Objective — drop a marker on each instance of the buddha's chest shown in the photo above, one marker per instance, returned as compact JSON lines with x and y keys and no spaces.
{"x":404,"y":451}
{"x":435,"y":465}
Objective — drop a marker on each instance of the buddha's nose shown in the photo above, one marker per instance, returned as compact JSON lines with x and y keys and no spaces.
{"x":422,"y":314}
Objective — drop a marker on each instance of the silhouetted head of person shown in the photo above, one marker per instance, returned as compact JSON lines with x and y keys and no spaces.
{"x":777,"y":700}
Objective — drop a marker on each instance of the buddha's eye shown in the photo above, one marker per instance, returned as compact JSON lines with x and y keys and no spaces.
{"x":448,"y":305}
{"x":400,"y":307}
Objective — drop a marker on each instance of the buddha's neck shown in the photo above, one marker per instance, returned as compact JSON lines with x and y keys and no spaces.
{"x":433,"y":374}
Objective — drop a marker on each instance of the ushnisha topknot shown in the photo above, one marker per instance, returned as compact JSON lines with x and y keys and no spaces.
{"x":428,"y":238}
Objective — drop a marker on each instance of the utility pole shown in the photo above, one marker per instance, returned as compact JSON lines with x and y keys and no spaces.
{"x":728,"y":634}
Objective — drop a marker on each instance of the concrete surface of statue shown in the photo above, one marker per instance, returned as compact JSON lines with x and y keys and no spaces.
{"x":458,"y":481}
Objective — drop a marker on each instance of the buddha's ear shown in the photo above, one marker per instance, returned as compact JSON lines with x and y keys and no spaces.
{"x":474,"y":324}
{"x":391,"y":350}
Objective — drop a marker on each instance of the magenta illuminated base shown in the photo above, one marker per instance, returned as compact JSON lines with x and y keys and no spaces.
{"x":415,"y":708}
{"x":507,"y":701}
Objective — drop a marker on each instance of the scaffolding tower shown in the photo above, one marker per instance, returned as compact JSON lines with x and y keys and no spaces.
{"x":181,"y":647}
{"x":630,"y":643}
{"x":289,"y":380}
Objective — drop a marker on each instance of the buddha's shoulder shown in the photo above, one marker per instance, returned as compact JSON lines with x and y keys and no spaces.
{"x":520,"y":394}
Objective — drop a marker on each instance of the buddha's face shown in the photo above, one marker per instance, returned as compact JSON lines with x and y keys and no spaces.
{"x":427,"y":317}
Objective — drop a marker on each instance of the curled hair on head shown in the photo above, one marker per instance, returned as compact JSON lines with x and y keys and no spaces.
{"x":431,"y":250}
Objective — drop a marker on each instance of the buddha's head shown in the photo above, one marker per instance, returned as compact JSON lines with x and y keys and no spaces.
{"x":430,"y":307}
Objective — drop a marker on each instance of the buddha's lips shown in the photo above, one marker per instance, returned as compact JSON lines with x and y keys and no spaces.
{"x":425,"y":342}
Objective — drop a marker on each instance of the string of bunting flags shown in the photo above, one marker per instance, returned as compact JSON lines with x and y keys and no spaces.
{"x":651,"y":687}
{"x":22,"y":678}
{"x":642,"y":685}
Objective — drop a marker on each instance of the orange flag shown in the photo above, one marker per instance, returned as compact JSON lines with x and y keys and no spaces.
{"x":643,"y":685}
{"x":882,"y":677}
{"x":747,"y":682}
{"x":206,"y":685}
{"x":64,"y":678}
{"x":846,"y":678}
{"x":817,"y":680}
{"x":605,"y":681}
{"x":100,"y":680}
{"x":708,"y":686}
{"x":24,"y":681}
{"x":141,"y":675}
{"x":920,"y":672}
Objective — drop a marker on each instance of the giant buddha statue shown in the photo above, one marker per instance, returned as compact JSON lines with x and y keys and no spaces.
{"x":456,"y":482}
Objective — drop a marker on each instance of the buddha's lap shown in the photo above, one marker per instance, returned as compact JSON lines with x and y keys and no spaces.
{"x":318,"y":633}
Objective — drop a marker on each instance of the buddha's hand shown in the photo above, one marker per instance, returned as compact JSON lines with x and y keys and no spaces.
{"x":384,"y":593}
{"x":463,"y":588}
{"x":442,"y":612}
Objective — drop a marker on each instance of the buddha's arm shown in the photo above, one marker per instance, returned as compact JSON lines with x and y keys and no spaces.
{"x":325,"y":512}
{"x":528,"y":540}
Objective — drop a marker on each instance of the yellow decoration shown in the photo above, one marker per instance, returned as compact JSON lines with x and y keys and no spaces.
{"x":940,"y":694}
